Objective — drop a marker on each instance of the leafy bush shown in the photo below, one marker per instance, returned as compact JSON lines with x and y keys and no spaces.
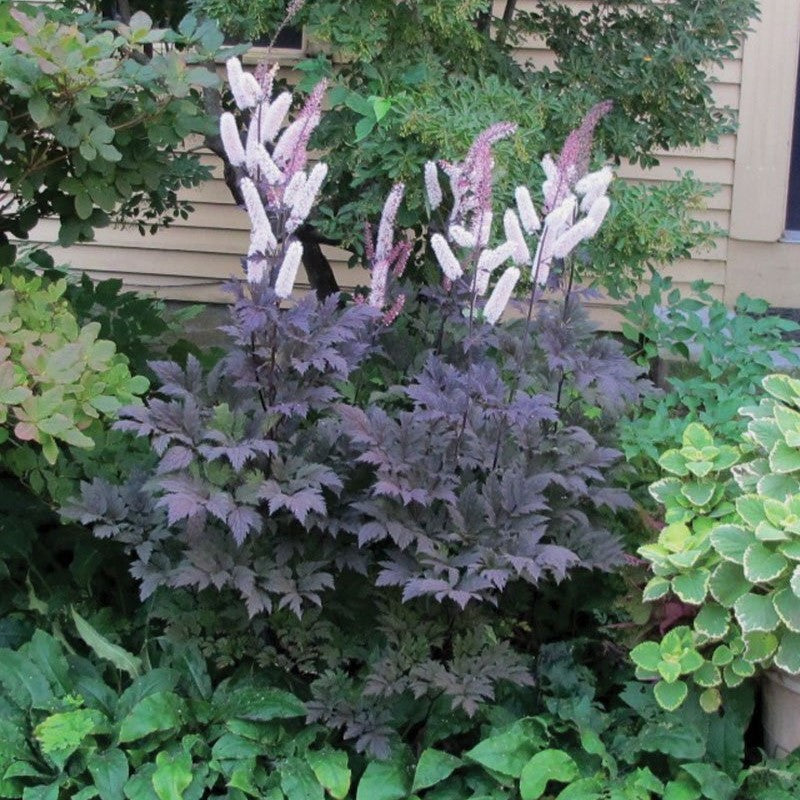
{"x":91,"y":128}
{"x":716,"y":358}
{"x":478,"y":460}
{"x":57,"y":377}
{"x":731,"y":555}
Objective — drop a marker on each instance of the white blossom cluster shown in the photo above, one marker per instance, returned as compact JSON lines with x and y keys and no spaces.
{"x":576,"y":218}
{"x":277,"y":189}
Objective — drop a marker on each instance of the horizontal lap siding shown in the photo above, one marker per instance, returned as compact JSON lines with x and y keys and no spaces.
{"x":192,"y":258}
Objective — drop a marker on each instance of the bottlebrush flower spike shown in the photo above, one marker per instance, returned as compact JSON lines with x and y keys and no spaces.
{"x":520,"y":253}
{"x":527,"y":211}
{"x":272,"y":118}
{"x":394,"y":312}
{"x":291,"y":150}
{"x":488,"y":262}
{"x":385,"y":240}
{"x":593,"y":186}
{"x":231,"y":141}
{"x":244,"y":87}
{"x":432,"y":187}
{"x":572,"y":237}
{"x":260,"y":164}
{"x":305,"y":197}
{"x":287,"y":274}
{"x":444,"y":255}
{"x":462,"y":237}
{"x":255,"y":208}
{"x":498,"y":300}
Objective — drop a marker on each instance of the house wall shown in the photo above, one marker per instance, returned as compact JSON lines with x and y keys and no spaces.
{"x":749,"y":171}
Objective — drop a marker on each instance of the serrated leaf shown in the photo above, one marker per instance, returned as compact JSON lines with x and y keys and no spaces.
{"x":762,"y":565}
{"x":712,"y":621}
{"x":673,"y":461}
{"x":670,"y":696}
{"x":728,"y":583}
{"x":691,"y":587}
{"x":759,"y":646}
{"x":788,"y":656}
{"x":756,"y":612}
{"x":647,"y":655}
{"x":722,"y":656}
{"x":787,"y":604}
{"x":784,"y":459}
{"x":655,"y":589}
{"x":782,"y":387}
{"x":707,"y":675}
{"x":731,"y":541}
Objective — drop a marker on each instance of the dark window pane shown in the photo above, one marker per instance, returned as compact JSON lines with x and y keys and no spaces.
{"x":793,"y":206}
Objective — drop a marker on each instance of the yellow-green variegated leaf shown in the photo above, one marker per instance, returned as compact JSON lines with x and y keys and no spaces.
{"x":712,"y":622}
{"x":670,"y":696}
{"x":762,"y":565}
{"x":787,"y":604}
{"x":756,"y":612}
{"x":788,"y":655}
{"x":707,"y":675}
{"x":655,"y":589}
{"x":728,"y":583}
{"x":731,"y":542}
{"x":710,"y":700}
{"x":759,"y":646}
{"x":692,"y":587}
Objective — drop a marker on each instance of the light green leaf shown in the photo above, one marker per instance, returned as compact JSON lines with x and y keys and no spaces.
{"x":787,"y":604}
{"x":509,"y":751}
{"x":691,"y":587}
{"x":762,"y":565}
{"x":60,"y":735}
{"x":759,"y":646}
{"x":712,"y":621}
{"x":331,"y":769}
{"x":710,"y":700}
{"x":756,"y":612}
{"x":103,"y":648}
{"x":655,"y":589}
{"x":731,"y":541}
{"x":173,"y":775}
{"x":161,"y":711}
{"x":708,"y":675}
{"x":545,"y":766}
{"x":647,"y":655}
{"x":784,"y":459}
{"x":670,"y":696}
{"x":383,"y":780}
{"x":788,"y":656}
{"x":109,"y":771}
{"x":728,"y":584}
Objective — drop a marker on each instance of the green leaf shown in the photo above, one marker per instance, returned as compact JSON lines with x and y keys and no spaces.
{"x":731,"y":541}
{"x":583,"y":789}
{"x":364,"y":128}
{"x":261,"y":705}
{"x":712,"y":621}
{"x":682,"y":789}
{"x":674,"y":462}
{"x":691,"y":587}
{"x":710,"y":700}
{"x":173,"y":775}
{"x":383,"y":780}
{"x":509,"y":751}
{"x":433,"y":767}
{"x":655,"y":589}
{"x":759,"y":646}
{"x":545,"y":766}
{"x":787,"y":604}
{"x":728,"y":584}
{"x":708,"y":675}
{"x":697,"y":436}
{"x":109,"y":771}
{"x":647,"y":655}
{"x":756,"y":612}
{"x":784,"y":459}
{"x":60,"y":735}
{"x":762,"y":565}
{"x":331,"y":769}
{"x":783,"y":388}
{"x":788,"y":656}
{"x":698,"y":493}
{"x":103,"y":648}
{"x":161,"y":711}
{"x":670,"y":696}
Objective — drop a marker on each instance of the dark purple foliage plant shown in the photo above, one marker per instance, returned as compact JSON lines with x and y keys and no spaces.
{"x":371,"y":475}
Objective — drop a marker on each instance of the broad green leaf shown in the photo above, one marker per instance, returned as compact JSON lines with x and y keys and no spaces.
{"x":731,"y":541}
{"x":783,"y":388}
{"x":647,"y":655}
{"x":759,"y":646}
{"x":710,"y":700}
{"x":788,"y":655}
{"x":331,"y":769}
{"x":698,"y":493}
{"x":582,"y":789}
{"x":545,"y":766}
{"x":784,"y":459}
{"x":674,"y":462}
{"x":722,"y":656}
{"x":173,"y":775}
{"x":60,"y":735}
{"x":682,"y":789}
{"x":670,"y":671}
{"x":109,"y":771}
{"x":762,"y":565}
{"x":670,"y":696}
{"x":756,"y":612}
{"x":433,"y":767}
{"x":161,"y":711}
{"x":103,"y":648}
{"x":787,"y":604}
{"x":728,"y":584}
{"x":750,"y":508}
{"x":262,"y":705}
{"x":697,"y":436}
{"x":655,"y":589}
{"x":383,"y":780}
{"x":509,"y":751}
{"x":708,"y":675}
{"x":691,"y":587}
{"x":712,"y":621}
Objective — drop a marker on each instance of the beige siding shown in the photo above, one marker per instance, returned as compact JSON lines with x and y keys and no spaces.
{"x":192,"y":259}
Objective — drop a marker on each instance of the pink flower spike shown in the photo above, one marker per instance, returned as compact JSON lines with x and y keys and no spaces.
{"x":231,"y":141}
{"x":394,"y":312}
{"x":287,"y":274}
{"x":432,"y":188}
{"x":273,"y":116}
{"x":385,"y":238}
{"x":498,"y":300}
{"x":521,"y":254}
{"x":444,"y":255}
{"x":527,"y":211}
{"x":380,"y":273}
{"x":398,"y":258}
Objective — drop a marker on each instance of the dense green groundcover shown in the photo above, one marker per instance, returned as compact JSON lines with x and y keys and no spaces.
{"x":384,"y":546}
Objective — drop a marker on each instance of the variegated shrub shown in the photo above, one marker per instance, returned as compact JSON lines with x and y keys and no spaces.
{"x":731,"y":548}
